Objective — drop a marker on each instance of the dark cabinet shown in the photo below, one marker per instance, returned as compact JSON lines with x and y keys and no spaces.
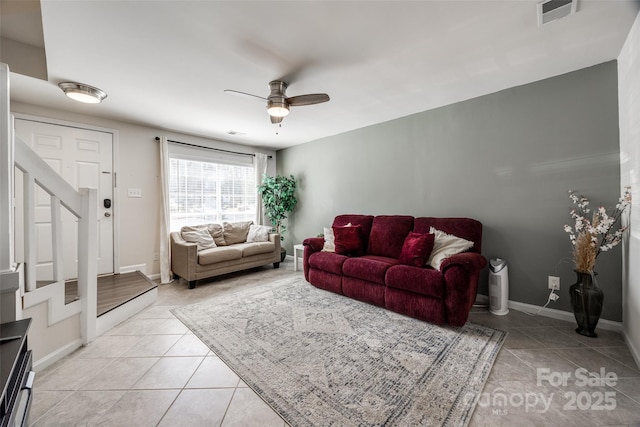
{"x":16,"y":375}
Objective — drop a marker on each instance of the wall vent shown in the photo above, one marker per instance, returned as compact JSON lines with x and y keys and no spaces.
{"x":550,"y":10}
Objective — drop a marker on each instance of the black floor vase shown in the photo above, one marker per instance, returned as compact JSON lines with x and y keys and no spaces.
{"x":586,"y":300}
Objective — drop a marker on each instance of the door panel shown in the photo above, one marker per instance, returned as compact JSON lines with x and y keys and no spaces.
{"x":83,"y":157}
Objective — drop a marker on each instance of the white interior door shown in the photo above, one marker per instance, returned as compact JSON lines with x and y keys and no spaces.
{"x":84,"y":158}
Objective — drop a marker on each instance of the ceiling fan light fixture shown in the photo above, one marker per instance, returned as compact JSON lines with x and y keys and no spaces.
{"x":83,"y":93}
{"x":277,"y":109}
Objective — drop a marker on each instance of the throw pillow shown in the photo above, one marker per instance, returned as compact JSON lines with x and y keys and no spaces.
{"x":258,"y":233}
{"x":348,"y":240}
{"x":217,"y":232}
{"x":236,"y":232}
{"x":198,"y":235}
{"x":416,"y":249}
{"x":446,"y":245}
{"x":329,"y":240}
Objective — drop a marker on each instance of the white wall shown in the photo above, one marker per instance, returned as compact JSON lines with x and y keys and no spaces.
{"x":138,"y":166}
{"x":629,"y":106}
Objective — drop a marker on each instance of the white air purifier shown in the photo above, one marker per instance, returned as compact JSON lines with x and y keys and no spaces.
{"x":498,"y":286}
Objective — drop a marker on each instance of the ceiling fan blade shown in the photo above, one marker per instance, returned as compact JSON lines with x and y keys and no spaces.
{"x":276,"y":120}
{"x":313,"y":98}
{"x":244,"y":94}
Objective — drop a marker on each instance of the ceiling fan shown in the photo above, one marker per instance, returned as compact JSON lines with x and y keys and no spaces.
{"x":278,"y":103}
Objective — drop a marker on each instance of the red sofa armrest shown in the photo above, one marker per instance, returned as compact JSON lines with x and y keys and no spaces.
{"x":316,"y":243}
{"x":311,"y":245}
{"x":471,"y":261}
{"x":461,"y":273}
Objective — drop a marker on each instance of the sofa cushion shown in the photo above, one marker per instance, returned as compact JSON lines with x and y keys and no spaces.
{"x":256,"y":248}
{"x":467,"y":228}
{"x":423,"y":281}
{"x":388,"y":233}
{"x":327,"y":261}
{"x":416,"y":249}
{"x":363,"y":221}
{"x":371,"y":269}
{"x":219,"y":254}
{"x":217,"y":232}
{"x":446,"y":245}
{"x":236,"y":232}
{"x":258,"y":233}
{"x":329,"y":240}
{"x":348,"y":240}
{"x":198,"y":235}
{"x":363,"y":290}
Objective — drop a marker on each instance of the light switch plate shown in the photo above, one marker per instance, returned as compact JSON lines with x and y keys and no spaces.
{"x":134,"y":192}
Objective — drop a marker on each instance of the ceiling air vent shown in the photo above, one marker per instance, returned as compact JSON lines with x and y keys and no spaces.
{"x":551,"y":10}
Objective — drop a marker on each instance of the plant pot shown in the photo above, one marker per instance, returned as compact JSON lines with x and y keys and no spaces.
{"x":586,"y":301}
{"x":283,"y":254}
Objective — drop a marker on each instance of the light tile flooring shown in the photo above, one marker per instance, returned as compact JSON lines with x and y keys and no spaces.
{"x":150,"y":370}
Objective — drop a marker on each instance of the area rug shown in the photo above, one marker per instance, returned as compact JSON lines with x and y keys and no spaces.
{"x":321,"y":359}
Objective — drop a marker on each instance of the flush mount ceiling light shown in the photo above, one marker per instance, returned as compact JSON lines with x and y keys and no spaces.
{"x":82,"y":93}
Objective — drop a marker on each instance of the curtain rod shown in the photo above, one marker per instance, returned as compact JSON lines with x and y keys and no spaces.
{"x":210,"y":148}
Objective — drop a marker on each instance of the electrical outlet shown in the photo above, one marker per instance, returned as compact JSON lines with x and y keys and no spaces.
{"x":156,"y":256}
{"x":554,"y":283}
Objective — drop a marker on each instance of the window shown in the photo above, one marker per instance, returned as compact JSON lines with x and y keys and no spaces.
{"x":202,"y":192}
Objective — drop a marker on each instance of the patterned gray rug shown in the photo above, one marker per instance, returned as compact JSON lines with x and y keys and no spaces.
{"x":322,"y":359}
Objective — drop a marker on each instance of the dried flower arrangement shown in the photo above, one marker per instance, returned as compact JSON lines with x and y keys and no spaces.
{"x":591,"y":237}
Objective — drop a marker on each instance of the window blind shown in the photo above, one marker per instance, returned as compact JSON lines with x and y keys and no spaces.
{"x":204,"y":191}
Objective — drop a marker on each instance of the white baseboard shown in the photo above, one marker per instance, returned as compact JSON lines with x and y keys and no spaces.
{"x":635,"y":352}
{"x":54,"y":356}
{"x":103,"y":324}
{"x":131,"y":268}
{"x":609,"y":325}
{"x":125,"y":311}
{"x":153,"y":276}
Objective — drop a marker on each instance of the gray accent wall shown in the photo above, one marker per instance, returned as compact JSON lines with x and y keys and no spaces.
{"x":506,"y":159}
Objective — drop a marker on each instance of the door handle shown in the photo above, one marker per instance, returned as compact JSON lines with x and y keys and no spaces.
{"x":107,"y":214}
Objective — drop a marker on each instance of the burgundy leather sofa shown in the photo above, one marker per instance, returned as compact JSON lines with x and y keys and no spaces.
{"x":443,"y":296}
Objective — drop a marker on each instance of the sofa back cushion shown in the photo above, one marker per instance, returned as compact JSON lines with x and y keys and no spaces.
{"x":363,"y":221}
{"x":217,"y":232}
{"x":236,"y":232}
{"x":467,"y":228}
{"x":198,"y":235}
{"x":387,"y":235}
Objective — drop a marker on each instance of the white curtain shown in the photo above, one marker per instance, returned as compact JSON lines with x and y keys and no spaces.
{"x":260,"y":167}
{"x":165,"y":247}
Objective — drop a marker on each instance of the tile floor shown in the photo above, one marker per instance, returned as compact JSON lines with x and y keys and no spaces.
{"x":151,"y":371}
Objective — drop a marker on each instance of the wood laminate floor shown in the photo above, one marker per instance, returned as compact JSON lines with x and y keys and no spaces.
{"x":114,"y":290}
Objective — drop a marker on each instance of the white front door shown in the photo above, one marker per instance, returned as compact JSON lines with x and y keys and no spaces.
{"x":84,"y":158}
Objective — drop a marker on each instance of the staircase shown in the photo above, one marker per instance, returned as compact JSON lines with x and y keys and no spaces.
{"x":57,"y":328}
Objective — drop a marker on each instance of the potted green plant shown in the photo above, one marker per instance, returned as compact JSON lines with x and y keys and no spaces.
{"x":278,"y":198}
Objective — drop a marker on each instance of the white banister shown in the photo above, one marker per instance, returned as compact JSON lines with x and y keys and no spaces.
{"x":30,"y":251}
{"x":56,"y":237}
{"x":48,"y":179}
{"x":83,"y":204}
{"x":87,"y":263}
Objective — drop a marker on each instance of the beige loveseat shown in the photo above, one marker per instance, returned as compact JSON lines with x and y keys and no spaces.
{"x":231,"y":248}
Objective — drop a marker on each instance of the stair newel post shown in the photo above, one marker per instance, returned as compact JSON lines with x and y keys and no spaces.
{"x":87,"y":263}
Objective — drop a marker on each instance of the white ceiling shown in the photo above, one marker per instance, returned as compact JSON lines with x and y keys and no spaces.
{"x":166,"y":64}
